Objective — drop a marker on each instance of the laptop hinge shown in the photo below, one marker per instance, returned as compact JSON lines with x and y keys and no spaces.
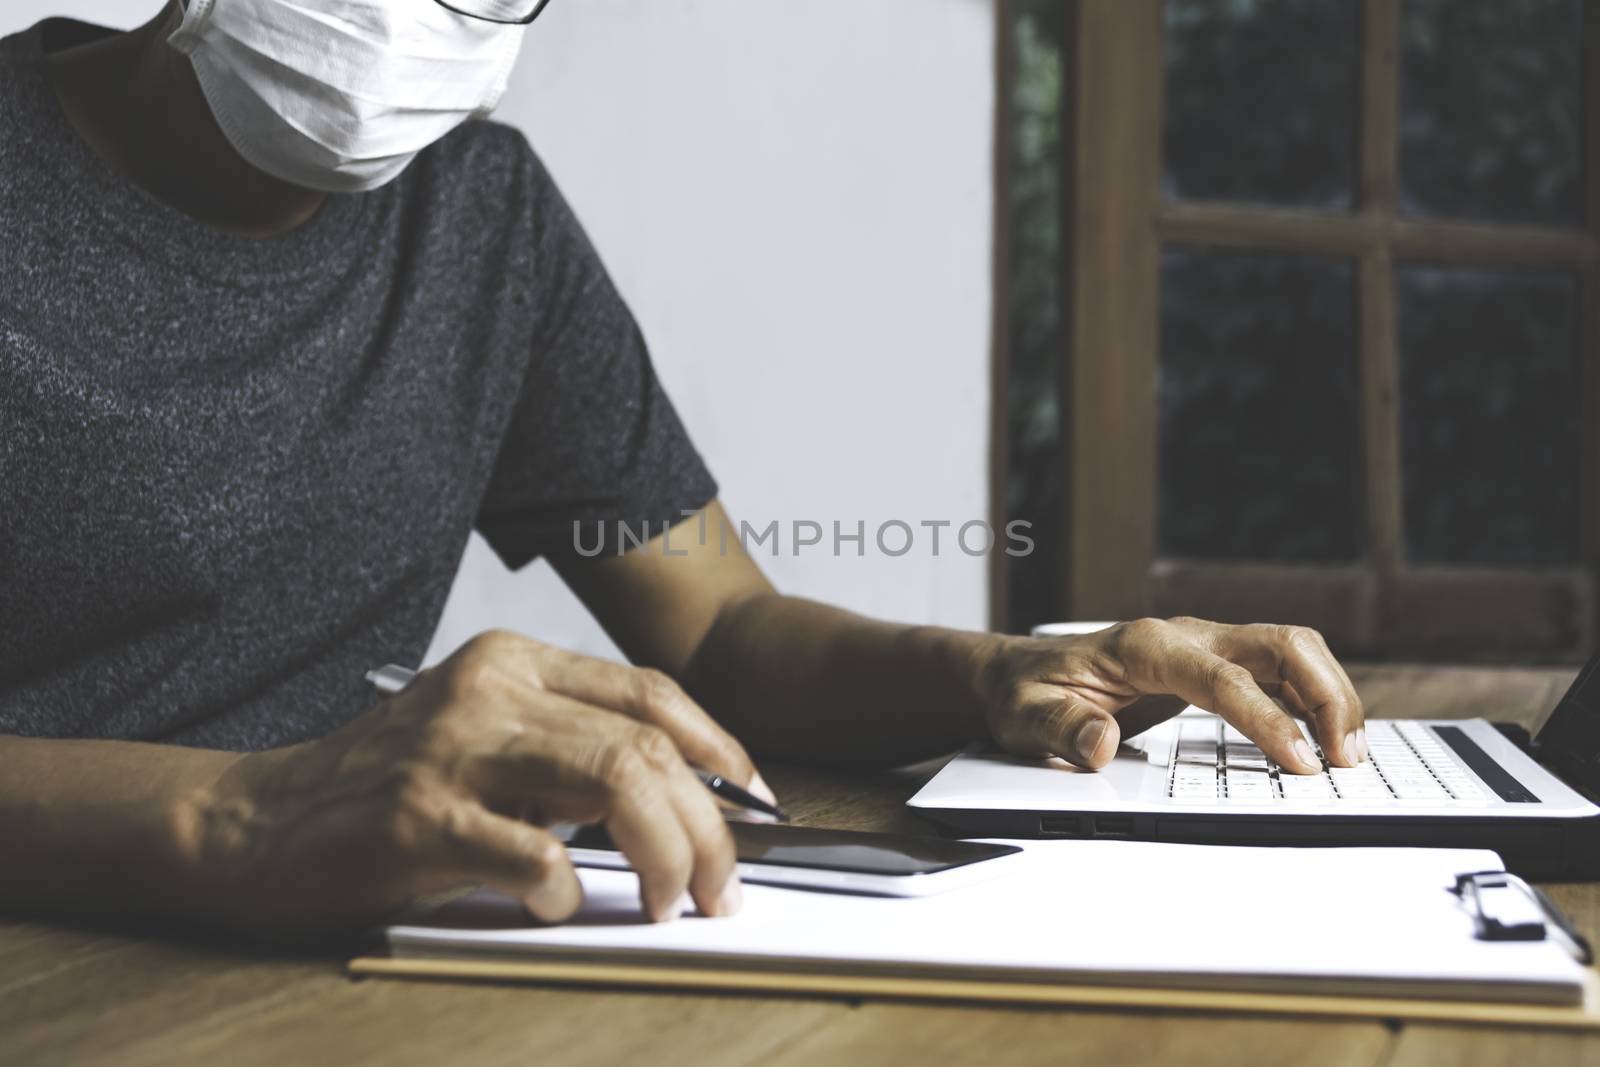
{"x":1582,"y":779}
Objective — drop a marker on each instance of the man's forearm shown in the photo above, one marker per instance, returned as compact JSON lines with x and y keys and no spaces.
{"x":797,"y":680}
{"x":103,"y":827}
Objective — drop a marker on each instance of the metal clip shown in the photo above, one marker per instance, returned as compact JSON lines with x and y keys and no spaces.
{"x":1506,"y":908}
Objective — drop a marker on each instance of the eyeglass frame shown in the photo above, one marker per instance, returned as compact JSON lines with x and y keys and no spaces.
{"x":542,"y":4}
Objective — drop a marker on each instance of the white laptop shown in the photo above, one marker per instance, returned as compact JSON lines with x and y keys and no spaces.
{"x":1194,"y":778}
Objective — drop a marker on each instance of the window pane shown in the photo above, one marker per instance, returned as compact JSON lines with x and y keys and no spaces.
{"x":1260,"y":101}
{"x":1258,"y":406}
{"x":1490,"y":415}
{"x":1034,"y":484}
{"x":1492,"y":101}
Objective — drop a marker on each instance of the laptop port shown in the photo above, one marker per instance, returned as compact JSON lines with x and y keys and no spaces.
{"x":1061,"y":825}
{"x":1108,"y":826}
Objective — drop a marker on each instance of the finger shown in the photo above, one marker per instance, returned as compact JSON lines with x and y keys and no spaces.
{"x":1055,"y":724}
{"x":1228,"y":689}
{"x":653,"y":697}
{"x":662,"y":817}
{"x":1314,"y":685}
{"x":575,"y":762}
{"x":1318,"y":686}
{"x":558,"y":761}
{"x":513,"y":857}
{"x":644,"y":822}
{"x":1352,"y":695}
{"x":714,"y":880}
{"x":1287,"y":697}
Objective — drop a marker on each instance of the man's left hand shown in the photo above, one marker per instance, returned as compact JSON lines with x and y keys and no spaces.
{"x":1077,"y":697}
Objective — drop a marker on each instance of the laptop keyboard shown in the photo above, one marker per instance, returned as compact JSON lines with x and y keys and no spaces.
{"x":1407,"y":766}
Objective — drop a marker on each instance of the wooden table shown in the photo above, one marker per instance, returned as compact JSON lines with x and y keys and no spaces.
{"x":81,"y":996}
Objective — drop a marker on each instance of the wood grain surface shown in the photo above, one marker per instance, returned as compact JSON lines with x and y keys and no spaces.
{"x":80,"y":995}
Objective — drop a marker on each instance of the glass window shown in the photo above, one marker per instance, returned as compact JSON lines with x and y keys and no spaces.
{"x":1260,"y":101}
{"x":1490,"y":415}
{"x":1036,"y":345}
{"x":1491,"y":110}
{"x":1258,"y":407}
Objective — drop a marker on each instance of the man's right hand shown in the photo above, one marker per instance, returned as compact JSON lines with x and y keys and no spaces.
{"x":452,"y":783}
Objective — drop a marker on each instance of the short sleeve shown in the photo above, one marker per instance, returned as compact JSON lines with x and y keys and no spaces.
{"x":593,"y":440}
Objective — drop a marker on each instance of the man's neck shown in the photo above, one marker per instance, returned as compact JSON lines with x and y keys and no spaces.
{"x":137,"y":104}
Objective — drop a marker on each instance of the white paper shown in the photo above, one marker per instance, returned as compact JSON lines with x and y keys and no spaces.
{"x":1354,"y":920}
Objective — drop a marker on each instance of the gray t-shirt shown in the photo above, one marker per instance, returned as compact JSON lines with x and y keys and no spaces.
{"x":235,"y":474}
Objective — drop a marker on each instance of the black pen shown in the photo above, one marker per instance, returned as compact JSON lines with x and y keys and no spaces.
{"x":392,"y":678}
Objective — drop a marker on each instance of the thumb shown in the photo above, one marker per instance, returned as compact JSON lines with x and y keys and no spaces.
{"x":1077,"y":732}
{"x":518,"y":859}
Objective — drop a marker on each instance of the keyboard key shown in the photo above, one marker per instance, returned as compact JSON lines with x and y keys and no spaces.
{"x":1409,"y":791}
{"x":1363,"y":790}
{"x":1408,"y":766}
{"x":1418,"y":777}
{"x":1250,"y":784}
{"x":1305,"y":788}
{"x":1304,"y":781}
{"x":1362,"y":772}
{"x":1420,"y":737}
{"x":1354,"y":779}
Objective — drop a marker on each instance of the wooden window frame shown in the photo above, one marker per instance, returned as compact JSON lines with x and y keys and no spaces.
{"x":1115,"y":222}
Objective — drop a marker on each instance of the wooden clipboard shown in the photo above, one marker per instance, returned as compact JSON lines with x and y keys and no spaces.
{"x":1580,"y":1017}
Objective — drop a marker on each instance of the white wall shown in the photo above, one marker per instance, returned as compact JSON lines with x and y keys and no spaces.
{"x":794,"y":196}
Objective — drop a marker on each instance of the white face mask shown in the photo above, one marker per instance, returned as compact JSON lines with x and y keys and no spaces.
{"x":341,"y":95}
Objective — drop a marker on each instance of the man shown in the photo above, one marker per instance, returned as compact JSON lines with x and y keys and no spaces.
{"x":278,"y":328}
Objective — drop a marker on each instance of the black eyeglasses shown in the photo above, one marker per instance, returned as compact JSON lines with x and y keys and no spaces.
{"x":537,"y":7}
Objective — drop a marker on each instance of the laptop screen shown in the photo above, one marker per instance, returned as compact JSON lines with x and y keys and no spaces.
{"x":1570,"y":738}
